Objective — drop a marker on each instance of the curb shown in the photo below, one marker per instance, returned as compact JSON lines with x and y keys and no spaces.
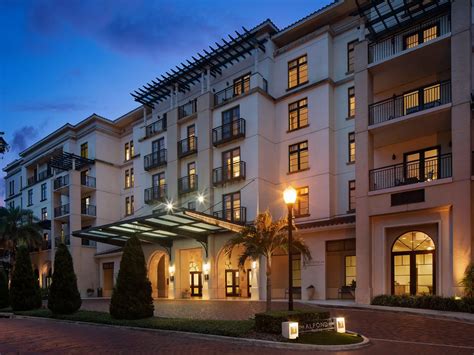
{"x":266,"y":343}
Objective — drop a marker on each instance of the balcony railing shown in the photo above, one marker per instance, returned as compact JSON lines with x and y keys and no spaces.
{"x":155,"y":194}
{"x":156,"y":127}
{"x":232,"y":91}
{"x":409,"y":38}
{"x":228,"y":173}
{"x":43,"y":175}
{"x":62,"y":210}
{"x":61,"y":181}
{"x":88,"y":181}
{"x":187,"y":146}
{"x":429,"y":169}
{"x":46,"y":244}
{"x":228,"y":132}
{"x":187,"y":109}
{"x":88,"y":210}
{"x":417,"y":100}
{"x":234,"y":215}
{"x":187,"y":184}
{"x":155,"y":159}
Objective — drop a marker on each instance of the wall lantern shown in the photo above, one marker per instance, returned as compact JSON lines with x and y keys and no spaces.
{"x":254,"y":264}
{"x":340,"y":325}
{"x":289,"y":330}
{"x":205,"y":268}
{"x":171,"y":278}
{"x":171,"y":269}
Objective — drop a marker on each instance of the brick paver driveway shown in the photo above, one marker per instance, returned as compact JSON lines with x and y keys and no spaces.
{"x":390,"y":333}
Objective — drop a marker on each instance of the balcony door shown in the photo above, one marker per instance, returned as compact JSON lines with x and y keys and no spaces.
{"x":231,"y":207}
{"x":158,"y":145}
{"x":191,"y":133}
{"x":158,"y":183}
{"x":229,"y":122}
{"x":422,"y":165}
{"x":231,"y":164}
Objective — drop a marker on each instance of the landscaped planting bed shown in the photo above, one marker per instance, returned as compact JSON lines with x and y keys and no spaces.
{"x":465,"y":304}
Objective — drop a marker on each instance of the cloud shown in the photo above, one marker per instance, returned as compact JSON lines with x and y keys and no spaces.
{"x":22,"y":137}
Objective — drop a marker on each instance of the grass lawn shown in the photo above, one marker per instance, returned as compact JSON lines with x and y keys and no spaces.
{"x":328,"y":338}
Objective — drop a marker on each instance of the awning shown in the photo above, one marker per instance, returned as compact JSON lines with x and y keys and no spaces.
{"x":160,"y":228}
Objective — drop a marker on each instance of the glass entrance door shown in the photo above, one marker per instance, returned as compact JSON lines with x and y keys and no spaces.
{"x":195,"y":283}
{"x":232,"y":288}
{"x":249,"y":282}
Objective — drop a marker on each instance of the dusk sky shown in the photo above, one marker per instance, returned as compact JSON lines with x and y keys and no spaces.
{"x":63,"y":60}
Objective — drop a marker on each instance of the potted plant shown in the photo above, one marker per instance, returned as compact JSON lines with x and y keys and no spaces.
{"x":310,"y":290}
{"x":90,"y":292}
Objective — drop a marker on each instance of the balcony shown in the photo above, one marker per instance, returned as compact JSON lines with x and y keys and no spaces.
{"x":155,"y":194}
{"x":228,"y":173}
{"x":66,"y":239}
{"x":409,"y":38}
{"x":88,"y":181}
{"x":413,"y":172}
{"x":155,"y":159}
{"x":46,"y":244}
{"x":228,"y":132}
{"x":187,"y":110}
{"x":187,"y":146}
{"x":61,"y":211}
{"x":187,"y":184}
{"x":43,"y":175}
{"x":234,"y":215}
{"x":417,"y":100}
{"x":61,"y":182}
{"x":232,"y":91}
{"x":156,"y":127}
{"x":88,"y":210}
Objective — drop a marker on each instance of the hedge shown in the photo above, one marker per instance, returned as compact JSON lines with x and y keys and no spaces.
{"x":270,"y":322}
{"x":439,"y":303}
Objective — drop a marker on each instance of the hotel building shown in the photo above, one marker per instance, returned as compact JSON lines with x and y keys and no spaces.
{"x":365,"y":108}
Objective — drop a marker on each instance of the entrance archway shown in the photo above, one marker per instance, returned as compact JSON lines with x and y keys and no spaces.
{"x":158,"y":274}
{"x":233,"y":281}
{"x":413,"y":264}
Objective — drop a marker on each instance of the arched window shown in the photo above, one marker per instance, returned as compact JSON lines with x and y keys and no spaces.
{"x":413,"y":259}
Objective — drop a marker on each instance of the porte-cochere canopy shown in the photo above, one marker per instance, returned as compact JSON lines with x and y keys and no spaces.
{"x":160,"y":228}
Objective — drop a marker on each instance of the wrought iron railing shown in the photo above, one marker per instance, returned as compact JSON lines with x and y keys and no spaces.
{"x":156,"y":127}
{"x":155,"y":159}
{"x":396,"y":43}
{"x":234,"y":215}
{"x":187,"y":109}
{"x":438,"y":167}
{"x":419,"y":99}
{"x":61,"y":181}
{"x":228,"y":132}
{"x":155,"y":194}
{"x":187,"y":146}
{"x":228,"y":173}
{"x":88,"y":210}
{"x":230,"y":92}
{"x":61,"y":210}
{"x":88,"y":181}
{"x":43,"y":175}
{"x":187,"y":184}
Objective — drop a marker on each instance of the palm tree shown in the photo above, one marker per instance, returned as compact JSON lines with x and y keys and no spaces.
{"x":18,"y":227}
{"x":263,"y":238}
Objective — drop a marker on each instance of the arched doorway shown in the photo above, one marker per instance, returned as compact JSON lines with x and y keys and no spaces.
{"x":413,"y":264}
{"x":233,"y":280}
{"x":157,"y":274}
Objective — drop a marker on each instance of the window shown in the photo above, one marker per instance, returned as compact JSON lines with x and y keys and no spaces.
{"x":132,"y":149}
{"x":30,"y":197}
{"x":127,"y":179}
{"x":350,"y":270}
{"x":298,"y":157}
{"x":231,"y":207}
{"x":158,"y":145}
{"x":351,"y":56}
{"x":43,"y":192}
{"x":351,"y":146}
{"x":84,"y":150}
{"x":297,"y":71}
{"x":351,"y":102}
{"x":231,"y":164}
{"x":421,"y":36}
{"x":132,"y":178}
{"x":129,"y":150}
{"x":352,"y":197}
{"x":158,"y":179}
{"x":242,"y":85}
{"x":298,"y":114}
{"x":12,"y":204}
{"x":12,"y":187}
{"x":44,"y":213}
{"x":192,"y":205}
{"x":191,"y":168}
{"x":301,"y":207}
{"x":129,"y":208}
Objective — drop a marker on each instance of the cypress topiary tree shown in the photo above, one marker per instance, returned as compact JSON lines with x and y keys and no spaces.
{"x":132,"y":298}
{"x":24,"y":289}
{"x":4,"y":296}
{"x":63,"y":296}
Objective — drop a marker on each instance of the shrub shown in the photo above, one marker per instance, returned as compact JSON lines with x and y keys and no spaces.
{"x":24,"y":289}
{"x":131,"y":298}
{"x":63,"y":296}
{"x":468,"y":280}
{"x":4,"y":296}
{"x":439,"y":303}
{"x":270,"y":322}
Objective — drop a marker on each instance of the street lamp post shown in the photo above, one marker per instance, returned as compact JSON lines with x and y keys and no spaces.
{"x":289,"y":195}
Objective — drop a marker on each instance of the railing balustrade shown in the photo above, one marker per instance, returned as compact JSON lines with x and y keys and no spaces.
{"x":228,"y":173}
{"x":155,"y":159}
{"x":187,"y":184}
{"x":187,"y":146}
{"x":228,"y":132}
{"x":234,"y":215}
{"x":155,"y":194}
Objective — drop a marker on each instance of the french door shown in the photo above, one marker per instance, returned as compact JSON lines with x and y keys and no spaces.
{"x":195,"y":283}
{"x":422,"y":165}
{"x":230,"y":122}
{"x":232,"y":288}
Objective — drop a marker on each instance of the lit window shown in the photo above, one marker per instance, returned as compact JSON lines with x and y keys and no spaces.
{"x":350,"y":270}
{"x":43,"y":192}
{"x":431,"y":95}
{"x":232,"y":211}
{"x":298,"y":114}
{"x":352,"y":147}
{"x":352,"y":196}
{"x":298,"y":157}
{"x":127,"y":151}
{"x":301,"y":206}
{"x":297,"y":71}
{"x":242,"y":85}
{"x":127,"y":179}
{"x":132,"y":178}
{"x":44,"y":213}
{"x":84,"y":150}
{"x":351,"y":102}
{"x":132,"y":149}
{"x":421,"y":36}
{"x":129,"y":205}
{"x":351,"y":56}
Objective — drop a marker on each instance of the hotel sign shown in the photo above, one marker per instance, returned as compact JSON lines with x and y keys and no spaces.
{"x":337,"y":324}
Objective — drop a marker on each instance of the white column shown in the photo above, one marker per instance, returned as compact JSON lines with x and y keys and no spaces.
{"x":208,"y":79}
{"x":255,"y":58}
{"x":206,"y":274}
{"x":254,"y":288}
{"x":171,"y":273}
{"x":203,"y":76}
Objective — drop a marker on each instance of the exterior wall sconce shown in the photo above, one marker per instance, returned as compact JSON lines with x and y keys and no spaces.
{"x":171,"y":270}
{"x":254,"y":264}
{"x":394,"y":157}
{"x":206,"y":277}
{"x":171,"y":278}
